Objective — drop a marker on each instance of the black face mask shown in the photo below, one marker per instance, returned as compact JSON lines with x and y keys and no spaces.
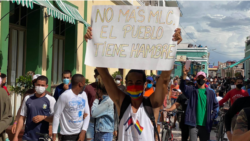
{"x":200,"y":82}
{"x":239,"y":86}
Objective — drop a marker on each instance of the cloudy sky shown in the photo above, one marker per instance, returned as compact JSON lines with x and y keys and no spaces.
{"x":221,"y":26}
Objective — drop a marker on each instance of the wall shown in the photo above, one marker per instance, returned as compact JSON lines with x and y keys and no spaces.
{"x":4,"y":31}
{"x":34,"y":50}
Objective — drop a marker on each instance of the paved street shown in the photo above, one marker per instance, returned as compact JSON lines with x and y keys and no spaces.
{"x":177,"y":132}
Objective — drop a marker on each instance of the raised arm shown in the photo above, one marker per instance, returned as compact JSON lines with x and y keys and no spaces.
{"x":161,"y":89}
{"x":113,"y":91}
{"x":184,"y":88}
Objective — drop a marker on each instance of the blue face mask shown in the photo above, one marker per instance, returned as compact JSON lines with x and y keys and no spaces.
{"x":149,"y":85}
{"x":66,"y":81}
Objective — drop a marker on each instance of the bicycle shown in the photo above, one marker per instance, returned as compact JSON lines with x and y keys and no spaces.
{"x":166,"y":132}
{"x":44,"y":137}
{"x":220,"y":129}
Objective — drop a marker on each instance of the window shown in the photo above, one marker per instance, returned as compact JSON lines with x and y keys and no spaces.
{"x":16,"y":54}
{"x":18,"y":15}
{"x":58,"y":51}
{"x":58,"y":59}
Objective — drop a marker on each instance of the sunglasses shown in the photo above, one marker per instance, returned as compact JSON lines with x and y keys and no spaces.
{"x":149,"y":81}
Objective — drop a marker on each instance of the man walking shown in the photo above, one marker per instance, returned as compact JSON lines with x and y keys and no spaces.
{"x":69,"y":110}
{"x":5,"y":112}
{"x":37,"y":110}
{"x":65,"y":85}
{"x":201,"y":109}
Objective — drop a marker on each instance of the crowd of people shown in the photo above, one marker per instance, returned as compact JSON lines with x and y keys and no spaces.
{"x":106,"y":110}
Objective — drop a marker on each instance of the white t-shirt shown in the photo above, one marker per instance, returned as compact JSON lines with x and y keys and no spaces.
{"x":69,"y":111}
{"x":136,"y":126}
{"x":218,"y":98}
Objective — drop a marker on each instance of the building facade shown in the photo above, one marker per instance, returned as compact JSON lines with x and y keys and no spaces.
{"x":233,"y":69}
{"x":199,"y":58}
{"x":46,"y":37}
{"x":247,"y":58}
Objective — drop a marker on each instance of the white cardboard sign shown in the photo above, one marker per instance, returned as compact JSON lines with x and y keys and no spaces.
{"x":133,"y":37}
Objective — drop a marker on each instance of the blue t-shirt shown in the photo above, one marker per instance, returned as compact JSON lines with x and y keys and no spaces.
{"x":59,"y":90}
{"x":33,"y":106}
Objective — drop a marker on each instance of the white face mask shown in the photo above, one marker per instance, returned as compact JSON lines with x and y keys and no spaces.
{"x":40,"y":89}
{"x":117,"y":81}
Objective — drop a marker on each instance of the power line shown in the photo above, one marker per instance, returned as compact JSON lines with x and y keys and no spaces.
{"x":223,"y":53}
{"x":188,"y":35}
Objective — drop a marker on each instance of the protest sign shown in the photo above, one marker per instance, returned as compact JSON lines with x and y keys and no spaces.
{"x":133,"y":37}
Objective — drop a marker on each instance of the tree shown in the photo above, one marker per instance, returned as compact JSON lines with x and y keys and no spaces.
{"x":23,"y":83}
{"x":115,"y":73}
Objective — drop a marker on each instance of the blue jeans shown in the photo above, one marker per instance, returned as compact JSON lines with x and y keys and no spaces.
{"x":90,"y":132}
{"x":103,"y":136}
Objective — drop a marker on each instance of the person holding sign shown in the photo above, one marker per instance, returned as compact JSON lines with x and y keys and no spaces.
{"x":136,"y":113}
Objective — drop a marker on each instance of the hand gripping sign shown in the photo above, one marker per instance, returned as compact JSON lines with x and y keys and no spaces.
{"x":133,"y":37}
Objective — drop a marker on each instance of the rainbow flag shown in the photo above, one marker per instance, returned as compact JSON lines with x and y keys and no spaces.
{"x":128,"y":123}
{"x":135,"y":91}
{"x":138,"y":127}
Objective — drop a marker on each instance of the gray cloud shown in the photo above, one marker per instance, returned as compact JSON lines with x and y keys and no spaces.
{"x":238,"y":6}
{"x":203,"y":30}
{"x":216,"y":20}
{"x":226,"y":22}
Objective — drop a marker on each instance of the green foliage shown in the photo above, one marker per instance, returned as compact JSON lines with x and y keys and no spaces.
{"x":115,"y":73}
{"x":23,"y":83}
{"x":87,"y":81}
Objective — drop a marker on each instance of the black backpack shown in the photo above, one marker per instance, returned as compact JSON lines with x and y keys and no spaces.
{"x":247,"y":111}
{"x":147,"y":107}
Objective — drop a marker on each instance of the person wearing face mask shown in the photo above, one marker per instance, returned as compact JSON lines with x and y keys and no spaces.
{"x":118,"y":81}
{"x":37,"y":110}
{"x":202,"y":107}
{"x":28,"y":92}
{"x":235,"y":93}
{"x":102,"y":109}
{"x":135,"y":122}
{"x":3,"y":83}
{"x":149,"y":89}
{"x":65,"y":85}
{"x":69,"y":110}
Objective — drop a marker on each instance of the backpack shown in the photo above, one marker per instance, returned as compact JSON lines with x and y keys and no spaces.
{"x":247,"y":111}
{"x":147,"y":107}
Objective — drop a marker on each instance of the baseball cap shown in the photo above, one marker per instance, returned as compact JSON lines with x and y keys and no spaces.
{"x":150,"y":78}
{"x":36,"y":76}
{"x":201,"y":73}
{"x":118,"y":77}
